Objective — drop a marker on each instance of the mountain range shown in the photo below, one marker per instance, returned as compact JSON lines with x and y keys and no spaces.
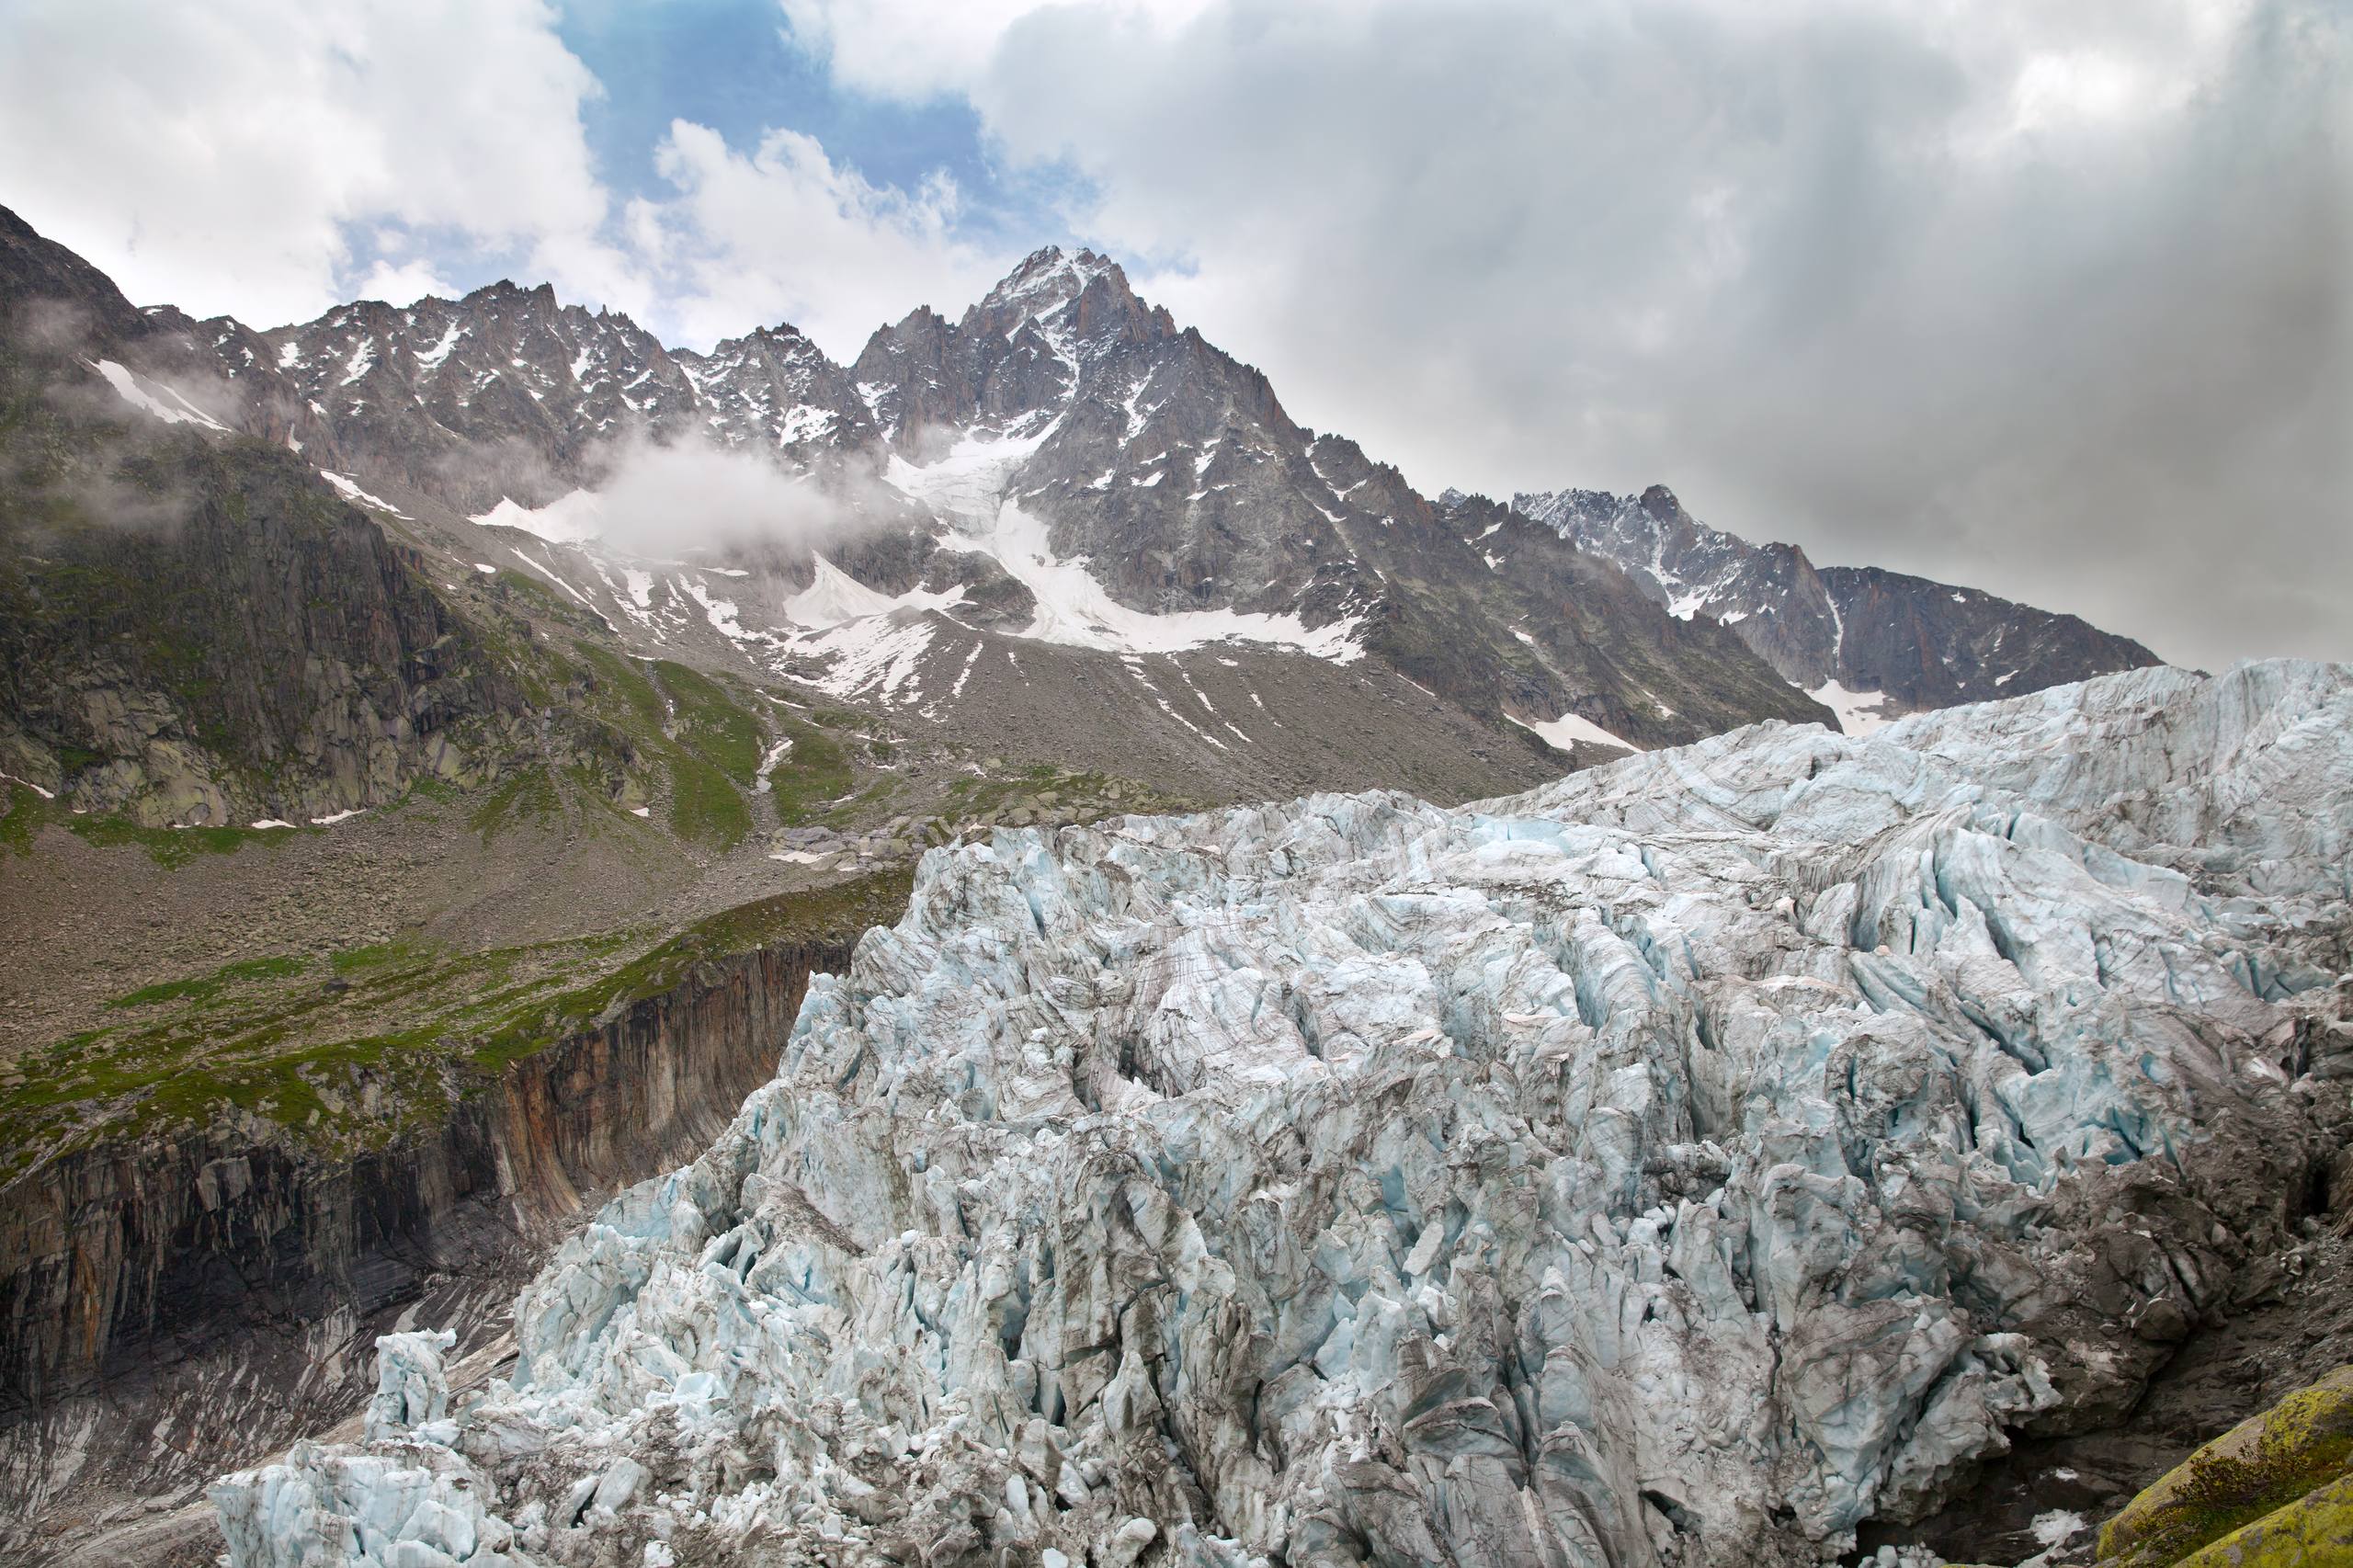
{"x":1060,"y":515}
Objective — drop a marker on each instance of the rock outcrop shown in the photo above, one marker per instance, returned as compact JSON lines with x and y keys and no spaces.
{"x":1684,"y":1163}
{"x":2243,"y":1479}
{"x":196,"y":629}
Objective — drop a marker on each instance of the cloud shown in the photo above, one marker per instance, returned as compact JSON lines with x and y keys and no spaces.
{"x":665,"y":501}
{"x":404,"y":283}
{"x":2051,"y":300}
{"x":225,"y":156}
{"x":272,"y":159}
{"x":782,"y":234}
{"x":920,"y":49}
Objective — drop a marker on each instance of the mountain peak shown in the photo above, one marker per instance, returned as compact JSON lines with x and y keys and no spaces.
{"x":1051,"y":276}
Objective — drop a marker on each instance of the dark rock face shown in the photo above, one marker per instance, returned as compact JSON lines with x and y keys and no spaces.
{"x":507,"y":392}
{"x":224,"y":1287}
{"x":52,"y":297}
{"x":1924,"y":644}
{"x":1032,"y":344}
{"x":1578,"y":636}
{"x":198,"y":629}
{"x":266,"y":648}
{"x":1935,"y":645}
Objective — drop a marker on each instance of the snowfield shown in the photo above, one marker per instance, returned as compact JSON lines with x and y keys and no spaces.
{"x":870,"y":643}
{"x":1681,"y":1163}
{"x":969,"y":485}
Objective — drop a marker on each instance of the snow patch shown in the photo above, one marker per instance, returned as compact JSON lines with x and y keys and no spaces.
{"x":720,"y":612}
{"x":1569,"y":731}
{"x":550,"y":575}
{"x":576,"y":519}
{"x":872,"y":654}
{"x":1860,"y":713}
{"x":127,"y":387}
{"x":966,"y":673}
{"x":834,"y":597}
{"x":351,"y":492}
{"x":775,"y":754}
{"x":1073,"y":609}
{"x":431,"y":358}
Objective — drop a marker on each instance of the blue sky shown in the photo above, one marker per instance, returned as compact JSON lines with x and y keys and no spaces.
{"x":737,"y":67}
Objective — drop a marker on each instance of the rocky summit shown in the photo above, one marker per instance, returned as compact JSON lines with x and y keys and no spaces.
{"x":1714,"y":1158}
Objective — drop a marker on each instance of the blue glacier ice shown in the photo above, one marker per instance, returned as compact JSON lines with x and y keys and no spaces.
{"x":1679,"y":1164}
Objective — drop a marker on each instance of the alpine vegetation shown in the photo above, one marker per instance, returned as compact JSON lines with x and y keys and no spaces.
{"x":1683,"y":1163}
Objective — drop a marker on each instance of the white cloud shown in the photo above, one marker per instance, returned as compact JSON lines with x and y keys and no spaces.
{"x":2024,"y":294}
{"x":220,"y":155}
{"x":271,"y":158}
{"x":782,"y":234}
{"x":665,"y":501}
{"x":404,"y":283}
{"x":918,"y":49}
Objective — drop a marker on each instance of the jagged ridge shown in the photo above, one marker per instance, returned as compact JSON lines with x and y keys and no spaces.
{"x":1840,"y":632}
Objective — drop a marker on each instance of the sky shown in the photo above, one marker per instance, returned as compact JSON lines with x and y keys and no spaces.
{"x":2052,"y":298}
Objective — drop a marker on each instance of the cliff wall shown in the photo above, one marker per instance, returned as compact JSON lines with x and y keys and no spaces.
{"x":177,"y":1304}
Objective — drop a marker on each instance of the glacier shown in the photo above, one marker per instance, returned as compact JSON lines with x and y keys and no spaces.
{"x":1680,"y":1163}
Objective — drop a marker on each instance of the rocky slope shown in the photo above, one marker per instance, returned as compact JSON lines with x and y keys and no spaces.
{"x":1688,"y":1162}
{"x":1872,"y":644}
{"x":1064,"y":465}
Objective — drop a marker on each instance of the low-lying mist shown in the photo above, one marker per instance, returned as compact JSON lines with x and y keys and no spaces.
{"x":666,"y":500}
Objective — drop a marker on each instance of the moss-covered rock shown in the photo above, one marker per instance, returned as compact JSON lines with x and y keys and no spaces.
{"x":2315,"y":1529}
{"x":2215,"y":1501}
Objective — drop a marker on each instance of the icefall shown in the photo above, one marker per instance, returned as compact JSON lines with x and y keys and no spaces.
{"x":1681,"y":1163}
